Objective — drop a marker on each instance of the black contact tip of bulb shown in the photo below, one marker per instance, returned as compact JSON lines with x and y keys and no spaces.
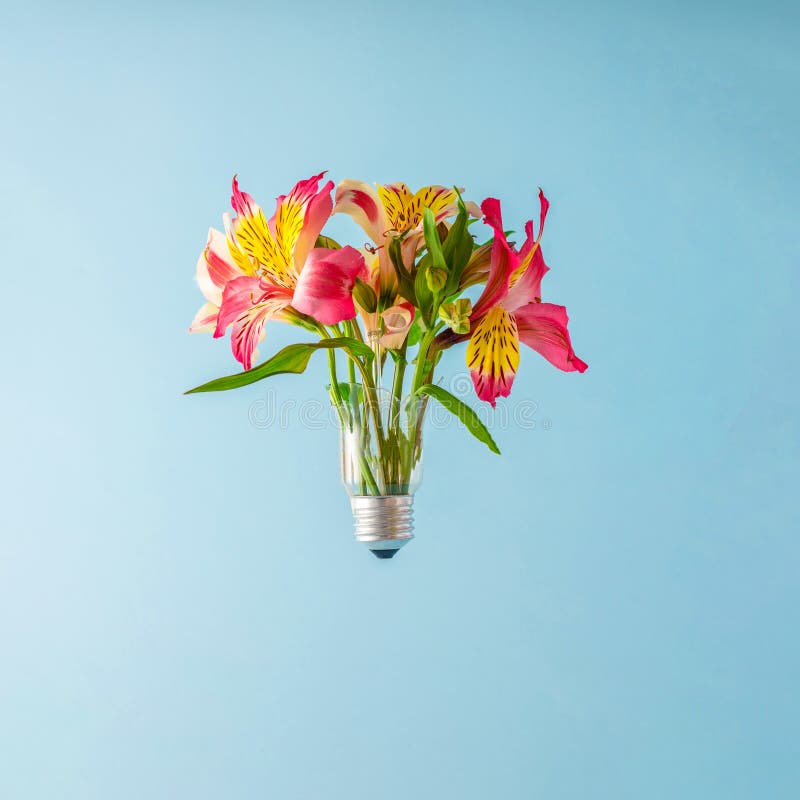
{"x":385,"y":553}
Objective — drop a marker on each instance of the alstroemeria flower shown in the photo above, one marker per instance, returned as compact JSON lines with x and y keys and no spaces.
{"x":394,"y":321}
{"x":510,"y":311}
{"x":391,"y":210}
{"x":272,"y":266}
{"x":397,"y":321}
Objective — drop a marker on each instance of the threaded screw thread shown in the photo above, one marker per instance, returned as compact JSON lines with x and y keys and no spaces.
{"x":384,"y":522}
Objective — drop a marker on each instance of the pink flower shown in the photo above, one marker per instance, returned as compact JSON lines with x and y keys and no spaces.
{"x":510,"y":311}
{"x":263,"y":269}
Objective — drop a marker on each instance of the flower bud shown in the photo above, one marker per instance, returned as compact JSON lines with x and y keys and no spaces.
{"x":364,"y":295}
{"x":436,"y":278}
{"x":456,"y":315}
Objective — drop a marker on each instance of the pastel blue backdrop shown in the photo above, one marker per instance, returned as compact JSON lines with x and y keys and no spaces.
{"x":609,"y":610}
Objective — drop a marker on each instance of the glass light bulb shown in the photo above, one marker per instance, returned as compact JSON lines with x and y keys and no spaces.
{"x":380,"y":439}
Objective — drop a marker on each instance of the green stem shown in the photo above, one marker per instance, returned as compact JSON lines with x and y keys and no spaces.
{"x":371,"y":400}
{"x":422,"y":359}
{"x":336,"y":393}
{"x":356,"y":328}
{"x":397,"y":386}
{"x":422,"y":374}
{"x":366,"y":473}
{"x":351,"y":369}
{"x":343,"y":410}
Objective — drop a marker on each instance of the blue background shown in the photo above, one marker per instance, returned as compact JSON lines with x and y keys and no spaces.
{"x":609,"y":610}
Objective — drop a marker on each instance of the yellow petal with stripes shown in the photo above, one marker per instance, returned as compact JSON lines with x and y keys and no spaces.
{"x":442,"y":202}
{"x":288,"y":225}
{"x":255,"y":239}
{"x":404,"y":210}
{"x":397,"y":199}
{"x":493,"y":354}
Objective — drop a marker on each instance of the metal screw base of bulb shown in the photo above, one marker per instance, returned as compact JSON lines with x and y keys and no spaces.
{"x":384,"y":524}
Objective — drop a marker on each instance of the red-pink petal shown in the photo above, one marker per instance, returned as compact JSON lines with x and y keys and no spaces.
{"x":324,"y":289}
{"x":504,"y":261}
{"x":543,"y":327}
{"x":530,"y":240}
{"x":221,"y":268}
{"x":247,"y":303}
{"x":492,"y":214}
{"x":528,"y":286}
{"x":318,"y":212}
{"x":303,"y":191}
{"x":239,"y":295}
{"x":241,"y":202}
{"x":544,"y":205}
{"x":360,"y":201}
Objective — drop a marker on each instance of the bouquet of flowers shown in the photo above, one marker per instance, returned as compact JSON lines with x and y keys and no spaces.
{"x":389,"y":309}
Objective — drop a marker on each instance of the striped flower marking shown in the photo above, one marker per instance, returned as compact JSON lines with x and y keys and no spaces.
{"x":493,"y":353}
{"x":510,"y":311}
{"x":391,"y":209}
{"x":404,"y":210}
{"x":268,"y":248}
{"x":272,"y":268}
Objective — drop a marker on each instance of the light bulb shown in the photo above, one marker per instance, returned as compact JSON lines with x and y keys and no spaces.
{"x":380,"y":438}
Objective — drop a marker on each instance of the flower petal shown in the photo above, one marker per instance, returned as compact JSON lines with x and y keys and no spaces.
{"x":397,"y":321}
{"x":503,"y":262}
{"x":543,"y":327}
{"x":318,"y":212}
{"x":292,"y":216}
{"x":360,"y":201}
{"x":215,"y":267}
{"x":325,"y":287}
{"x":210,"y":289}
{"x":477,"y":270}
{"x":241,"y":202}
{"x":526,"y":281}
{"x":253,"y":244}
{"x":205,"y":319}
{"x":544,"y":205}
{"x":247,"y":303}
{"x":442,"y":202}
{"x":396,"y":199}
{"x":493,"y":354}
{"x":473,"y":209}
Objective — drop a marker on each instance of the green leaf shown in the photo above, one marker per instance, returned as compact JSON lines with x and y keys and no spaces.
{"x":414,"y":332}
{"x":397,"y":356}
{"x":458,"y":247}
{"x":344,"y":390}
{"x":404,"y":279}
{"x":455,"y":233}
{"x":292,"y":359}
{"x":423,"y":292}
{"x":432,"y":240}
{"x":326,"y":241}
{"x":463,"y":412}
{"x":364,"y":295}
{"x":352,"y":393}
